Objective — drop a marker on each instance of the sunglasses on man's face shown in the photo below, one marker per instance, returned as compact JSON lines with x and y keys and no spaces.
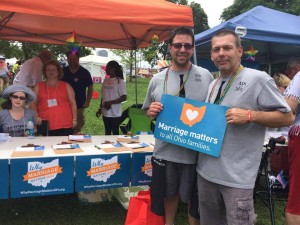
{"x":18,"y":97}
{"x":187,"y":46}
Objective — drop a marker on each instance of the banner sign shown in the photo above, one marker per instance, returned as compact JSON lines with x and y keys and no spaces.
{"x":41,"y":176}
{"x":141,"y":170}
{"x":102,"y":171}
{"x":4,"y":179}
{"x":191,"y":124}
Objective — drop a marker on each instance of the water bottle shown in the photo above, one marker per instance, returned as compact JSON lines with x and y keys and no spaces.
{"x":30,"y":129}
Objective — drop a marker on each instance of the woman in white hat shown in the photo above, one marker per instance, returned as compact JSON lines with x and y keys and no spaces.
{"x":15,"y":116}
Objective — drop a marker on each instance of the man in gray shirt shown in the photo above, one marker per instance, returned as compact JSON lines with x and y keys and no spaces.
{"x":225,"y":184}
{"x":185,"y":80}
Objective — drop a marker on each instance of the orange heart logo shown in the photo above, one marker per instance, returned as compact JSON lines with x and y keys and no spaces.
{"x":190,"y":115}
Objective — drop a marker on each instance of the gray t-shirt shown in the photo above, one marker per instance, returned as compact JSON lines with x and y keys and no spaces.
{"x":196,"y":88}
{"x":16,"y":128}
{"x":242,"y":146}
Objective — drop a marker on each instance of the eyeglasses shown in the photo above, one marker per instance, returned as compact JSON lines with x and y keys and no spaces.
{"x":187,"y":46}
{"x":18,"y":97}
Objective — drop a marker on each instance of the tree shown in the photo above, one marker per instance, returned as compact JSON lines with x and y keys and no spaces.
{"x":127,"y":58}
{"x":160,"y":51}
{"x":241,"y":6}
{"x":27,"y":50}
{"x":10,"y":49}
{"x":200,"y":18}
{"x":58,"y":51}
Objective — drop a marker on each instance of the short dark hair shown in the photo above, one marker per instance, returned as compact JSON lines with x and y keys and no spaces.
{"x":70,"y":52}
{"x":224,"y":32}
{"x":183,"y":31}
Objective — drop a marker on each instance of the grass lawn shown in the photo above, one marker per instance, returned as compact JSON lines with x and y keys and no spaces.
{"x":68,"y":210}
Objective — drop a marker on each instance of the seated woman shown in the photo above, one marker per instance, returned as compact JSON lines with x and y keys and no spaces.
{"x":55,"y":101}
{"x":15,"y":116}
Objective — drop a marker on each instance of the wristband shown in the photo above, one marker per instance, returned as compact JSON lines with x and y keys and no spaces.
{"x":249,"y":112}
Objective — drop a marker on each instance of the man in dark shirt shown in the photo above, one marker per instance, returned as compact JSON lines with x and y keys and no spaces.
{"x":81,"y":81}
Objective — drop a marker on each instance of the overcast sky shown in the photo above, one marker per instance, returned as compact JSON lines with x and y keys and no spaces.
{"x":213,"y":9}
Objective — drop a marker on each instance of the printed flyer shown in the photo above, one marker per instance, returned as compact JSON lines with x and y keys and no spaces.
{"x":191,"y":124}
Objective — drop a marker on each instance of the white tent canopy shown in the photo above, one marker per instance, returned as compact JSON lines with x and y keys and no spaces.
{"x":96,"y":66}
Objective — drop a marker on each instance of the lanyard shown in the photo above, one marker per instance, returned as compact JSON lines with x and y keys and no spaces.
{"x":226,"y":88}
{"x":179,"y":89}
{"x":54,"y":91}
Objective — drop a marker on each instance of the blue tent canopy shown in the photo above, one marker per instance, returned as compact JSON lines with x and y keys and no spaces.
{"x":275,"y":34}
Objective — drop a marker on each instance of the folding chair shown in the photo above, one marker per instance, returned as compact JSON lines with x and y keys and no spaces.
{"x":270,"y":190}
{"x":136,"y":121}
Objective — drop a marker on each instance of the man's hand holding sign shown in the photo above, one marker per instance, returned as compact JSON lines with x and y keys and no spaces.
{"x":191,"y":124}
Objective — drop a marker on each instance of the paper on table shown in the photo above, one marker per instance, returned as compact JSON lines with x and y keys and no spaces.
{"x":79,"y":137}
{"x":112,"y":145}
{"x":136,"y":145}
{"x":24,"y":149}
{"x":106,"y":146}
{"x":65,"y":146}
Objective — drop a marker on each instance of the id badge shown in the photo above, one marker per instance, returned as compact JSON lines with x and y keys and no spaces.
{"x":52,"y":102}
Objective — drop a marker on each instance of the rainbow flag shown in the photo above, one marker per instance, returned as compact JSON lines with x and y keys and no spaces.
{"x":281,"y":179}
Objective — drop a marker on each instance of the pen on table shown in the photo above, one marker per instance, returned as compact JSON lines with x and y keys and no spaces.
{"x":138,"y":147}
{"x":119,"y":143}
{"x":97,"y":147}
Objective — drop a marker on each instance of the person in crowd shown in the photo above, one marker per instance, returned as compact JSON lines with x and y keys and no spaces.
{"x":31,"y":71}
{"x":4,"y":74}
{"x":55,"y":101}
{"x":81,"y":81}
{"x":281,"y":81}
{"x":293,"y":67}
{"x":113,"y":93}
{"x":175,"y":165}
{"x":15,"y":115}
{"x":15,"y":69}
{"x":292,"y":96}
{"x":225,"y":184}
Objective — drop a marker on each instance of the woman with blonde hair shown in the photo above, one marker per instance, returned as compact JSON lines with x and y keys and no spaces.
{"x":282,"y":81}
{"x":55,"y":101}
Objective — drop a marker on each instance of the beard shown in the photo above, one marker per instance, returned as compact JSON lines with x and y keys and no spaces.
{"x":181,"y":60}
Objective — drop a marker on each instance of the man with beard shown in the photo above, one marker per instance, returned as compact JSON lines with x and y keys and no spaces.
{"x":175,"y":165}
{"x":81,"y":81}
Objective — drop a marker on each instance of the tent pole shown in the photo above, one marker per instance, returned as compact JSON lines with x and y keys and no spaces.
{"x":195,"y":53}
{"x":135,"y":77}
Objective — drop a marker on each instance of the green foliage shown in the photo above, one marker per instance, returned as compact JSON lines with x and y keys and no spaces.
{"x":27,"y":50}
{"x":160,"y":51}
{"x":200,"y":18}
{"x":241,"y":6}
{"x":10,"y":49}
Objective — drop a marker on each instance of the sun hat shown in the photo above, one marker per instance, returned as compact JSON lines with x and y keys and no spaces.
{"x":18,"y":87}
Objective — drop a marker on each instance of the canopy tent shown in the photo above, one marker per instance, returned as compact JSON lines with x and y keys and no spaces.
{"x":120,"y":24}
{"x":276,"y":35}
{"x":96,"y":66}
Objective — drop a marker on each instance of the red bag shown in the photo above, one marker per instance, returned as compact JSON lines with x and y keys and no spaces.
{"x":139,"y":212}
